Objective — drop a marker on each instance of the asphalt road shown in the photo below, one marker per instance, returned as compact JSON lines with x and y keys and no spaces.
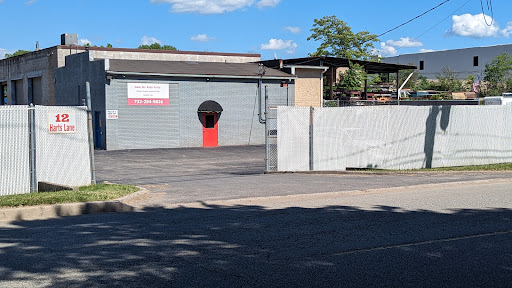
{"x":197,"y":174}
{"x":431,"y":236}
{"x":239,"y":230}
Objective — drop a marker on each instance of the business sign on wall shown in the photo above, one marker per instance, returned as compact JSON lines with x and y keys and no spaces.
{"x":61,"y":122}
{"x":148,"y":94}
{"x":112,"y":114}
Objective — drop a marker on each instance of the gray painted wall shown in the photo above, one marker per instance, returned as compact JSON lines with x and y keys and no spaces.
{"x":178,"y":125}
{"x":459,"y":60}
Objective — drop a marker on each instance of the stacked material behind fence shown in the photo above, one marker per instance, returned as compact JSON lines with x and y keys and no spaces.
{"x":61,"y":159}
{"x":393,"y":137}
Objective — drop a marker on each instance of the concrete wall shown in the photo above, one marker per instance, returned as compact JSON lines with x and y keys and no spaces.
{"x":308,"y":87}
{"x":459,"y":60}
{"x":135,"y":54}
{"x":178,"y":125}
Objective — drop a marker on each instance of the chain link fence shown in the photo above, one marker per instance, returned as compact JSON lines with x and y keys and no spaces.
{"x":391,"y":137}
{"x":43,"y":144}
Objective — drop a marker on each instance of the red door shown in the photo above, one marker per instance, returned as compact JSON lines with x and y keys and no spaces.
{"x":210,"y":130}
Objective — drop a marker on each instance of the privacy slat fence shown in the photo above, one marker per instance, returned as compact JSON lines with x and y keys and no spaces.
{"x":391,"y":137}
{"x":58,"y":158}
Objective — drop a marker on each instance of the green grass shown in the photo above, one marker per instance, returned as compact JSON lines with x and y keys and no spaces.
{"x":489,"y":167}
{"x":98,"y":192}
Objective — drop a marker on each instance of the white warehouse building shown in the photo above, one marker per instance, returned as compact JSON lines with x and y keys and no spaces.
{"x":461,"y":61}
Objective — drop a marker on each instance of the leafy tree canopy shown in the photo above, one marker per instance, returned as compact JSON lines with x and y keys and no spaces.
{"x":338,"y":40}
{"x":17,"y":53}
{"x":497,"y":74}
{"x":157,"y":46}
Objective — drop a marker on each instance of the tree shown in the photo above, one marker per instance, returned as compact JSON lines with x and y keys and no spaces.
{"x":353,"y":78}
{"x":447,"y":81}
{"x":157,"y":46}
{"x":17,"y":53}
{"x":338,"y":40}
{"x":497,"y":74}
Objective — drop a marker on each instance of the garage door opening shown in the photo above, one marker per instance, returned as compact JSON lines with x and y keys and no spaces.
{"x":209,"y":114}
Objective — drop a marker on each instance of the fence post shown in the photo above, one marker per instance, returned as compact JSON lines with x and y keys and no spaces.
{"x":267,"y":152}
{"x":32,"y":151}
{"x":91,"y":137}
{"x":311,"y":114}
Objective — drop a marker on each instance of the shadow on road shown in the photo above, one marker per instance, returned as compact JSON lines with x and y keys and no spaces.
{"x":247,"y":246}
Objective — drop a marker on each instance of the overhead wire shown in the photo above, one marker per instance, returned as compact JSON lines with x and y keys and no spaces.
{"x":428,"y":30}
{"x":431,"y":9}
{"x":489,"y":7}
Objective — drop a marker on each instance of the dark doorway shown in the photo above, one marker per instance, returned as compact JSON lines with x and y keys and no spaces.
{"x":97,"y":130}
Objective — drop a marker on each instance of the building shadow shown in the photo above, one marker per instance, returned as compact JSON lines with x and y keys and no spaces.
{"x":253,"y":246}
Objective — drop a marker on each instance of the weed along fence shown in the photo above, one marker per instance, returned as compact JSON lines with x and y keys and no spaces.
{"x":43,"y":144}
{"x":390,"y":137}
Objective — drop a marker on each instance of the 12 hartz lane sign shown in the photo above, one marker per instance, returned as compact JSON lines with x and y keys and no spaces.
{"x":61,"y":122}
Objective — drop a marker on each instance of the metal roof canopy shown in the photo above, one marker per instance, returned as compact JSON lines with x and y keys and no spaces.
{"x":334,"y":62}
{"x":369,"y":66}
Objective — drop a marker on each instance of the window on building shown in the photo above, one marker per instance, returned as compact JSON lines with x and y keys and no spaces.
{"x":210,"y":121}
{"x":475,"y":61}
{"x":422,"y":65}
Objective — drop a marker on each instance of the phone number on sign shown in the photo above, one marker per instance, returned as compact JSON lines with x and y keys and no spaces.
{"x":148,"y":101}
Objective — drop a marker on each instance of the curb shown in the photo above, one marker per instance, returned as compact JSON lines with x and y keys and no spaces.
{"x":43,"y":212}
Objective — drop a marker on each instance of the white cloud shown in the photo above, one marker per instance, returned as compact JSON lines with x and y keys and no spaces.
{"x":385,"y":50}
{"x":5,"y":51}
{"x":426,"y":50}
{"x":201,"y":38}
{"x":146,"y":40}
{"x":267,"y":3}
{"x":405,"y":42}
{"x":213,"y":6}
{"x":475,"y":26}
{"x":294,"y":30}
{"x":279,"y":44}
{"x":30,"y":2}
{"x":508,"y":30}
{"x":84,"y":41}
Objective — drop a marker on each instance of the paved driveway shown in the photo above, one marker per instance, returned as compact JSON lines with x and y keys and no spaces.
{"x":199,"y":174}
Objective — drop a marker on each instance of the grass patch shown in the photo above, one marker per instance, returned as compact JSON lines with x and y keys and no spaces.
{"x":98,"y":192}
{"x":489,"y":167}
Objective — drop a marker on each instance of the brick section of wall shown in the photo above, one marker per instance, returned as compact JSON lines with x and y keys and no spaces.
{"x":308,"y":88}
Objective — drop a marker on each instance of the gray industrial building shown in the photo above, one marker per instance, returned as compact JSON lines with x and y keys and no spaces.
{"x":461,"y":61}
{"x":144,"y":99}
{"x":142,"y":104}
{"x":29,"y":78}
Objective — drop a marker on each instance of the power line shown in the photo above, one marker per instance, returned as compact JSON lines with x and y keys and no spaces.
{"x":415,"y":18}
{"x":489,"y":7}
{"x":417,"y":37}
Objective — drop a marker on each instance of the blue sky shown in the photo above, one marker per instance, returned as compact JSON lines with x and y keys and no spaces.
{"x":268,"y":27}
